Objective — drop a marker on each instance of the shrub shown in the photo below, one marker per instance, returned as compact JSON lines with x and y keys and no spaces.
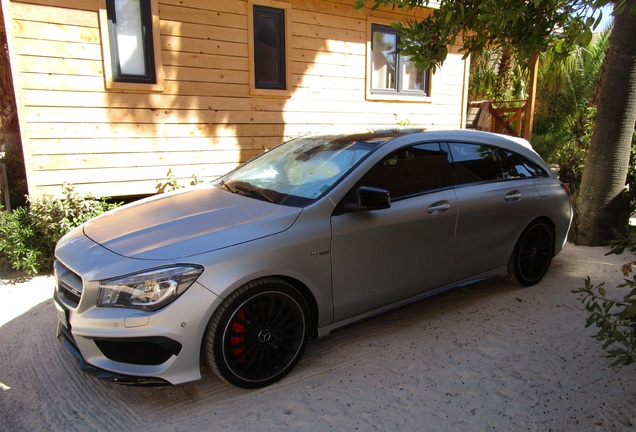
{"x":20,"y":246}
{"x":615,"y":315}
{"x":29,"y":234}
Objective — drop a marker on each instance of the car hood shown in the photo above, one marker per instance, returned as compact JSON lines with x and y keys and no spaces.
{"x":177,"y":225}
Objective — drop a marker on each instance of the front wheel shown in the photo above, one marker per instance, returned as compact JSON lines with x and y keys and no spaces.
{"x":532,"y":255}
{"x":258,"y":334}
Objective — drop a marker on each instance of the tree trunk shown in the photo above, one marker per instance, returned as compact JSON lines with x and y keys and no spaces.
{"x":600,"y":205}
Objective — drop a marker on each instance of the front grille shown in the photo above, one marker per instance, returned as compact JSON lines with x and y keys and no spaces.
{"x":68,"y":285}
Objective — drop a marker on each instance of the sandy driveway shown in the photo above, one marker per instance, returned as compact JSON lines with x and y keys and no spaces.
{"x":488,"y":357}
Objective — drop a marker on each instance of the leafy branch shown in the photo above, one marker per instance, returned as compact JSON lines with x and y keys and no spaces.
{"x":615,"y":318}
{"x":517,"y":26}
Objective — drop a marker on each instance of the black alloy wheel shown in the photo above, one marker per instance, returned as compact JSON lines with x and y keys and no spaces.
{"x":258,"y":334}
{"x":532,"y":255}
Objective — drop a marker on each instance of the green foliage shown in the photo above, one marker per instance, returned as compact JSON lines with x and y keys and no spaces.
{"x":613,"y":315}
{"x":20,"y":246}
{"x":28,"y":235}
{"x":517,"y":26}
{"x":566,"y":108}
{"x":486,"y":75}
{"x":172,"y":182}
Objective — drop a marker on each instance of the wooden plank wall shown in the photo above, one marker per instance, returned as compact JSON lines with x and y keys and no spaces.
{"x":204,"y":122}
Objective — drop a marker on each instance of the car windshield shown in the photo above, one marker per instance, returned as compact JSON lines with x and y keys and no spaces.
{"x":302,"y":170}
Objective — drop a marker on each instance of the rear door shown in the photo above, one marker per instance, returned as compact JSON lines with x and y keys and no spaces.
{"x":497,"y":199}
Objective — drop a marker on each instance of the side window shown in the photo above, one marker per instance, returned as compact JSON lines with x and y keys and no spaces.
{"x":131,"y":41}
{"x":516,"y":166}
{"x":475,"y":163}
{"x":411,"y":171}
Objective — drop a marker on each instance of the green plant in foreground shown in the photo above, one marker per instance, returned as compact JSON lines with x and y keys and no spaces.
{"x":615,"y":316}
{"x":28,"y":235}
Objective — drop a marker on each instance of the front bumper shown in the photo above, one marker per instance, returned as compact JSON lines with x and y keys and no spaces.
{"x":131,"y":346}
{"x":65,"y":336}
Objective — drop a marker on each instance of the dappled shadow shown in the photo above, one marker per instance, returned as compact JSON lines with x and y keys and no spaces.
{"x":205,"y":121}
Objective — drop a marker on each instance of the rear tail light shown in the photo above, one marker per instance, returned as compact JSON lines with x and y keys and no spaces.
{"x":566,"y":188}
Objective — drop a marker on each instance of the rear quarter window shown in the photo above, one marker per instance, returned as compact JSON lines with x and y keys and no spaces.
{"x":474,"y":163}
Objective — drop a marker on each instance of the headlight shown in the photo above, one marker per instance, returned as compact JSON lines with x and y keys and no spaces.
{"x":150,"y":290}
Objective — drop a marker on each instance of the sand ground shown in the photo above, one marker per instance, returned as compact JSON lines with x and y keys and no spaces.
{"x":487,"y":357}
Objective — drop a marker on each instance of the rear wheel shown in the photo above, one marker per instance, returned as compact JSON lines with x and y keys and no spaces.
{"x":258,"y":334}
{"x":532,"y":255}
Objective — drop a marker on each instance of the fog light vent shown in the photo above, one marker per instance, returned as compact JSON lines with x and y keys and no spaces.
{"x":140,"y":351}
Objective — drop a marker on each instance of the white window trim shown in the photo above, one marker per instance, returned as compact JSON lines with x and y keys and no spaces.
{"x":397,"y":96}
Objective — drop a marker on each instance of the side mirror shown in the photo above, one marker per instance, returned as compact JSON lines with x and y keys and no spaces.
{"x":370,"y":198}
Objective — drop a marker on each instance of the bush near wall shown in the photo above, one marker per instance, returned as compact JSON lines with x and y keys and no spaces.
{"x":28,"y":235}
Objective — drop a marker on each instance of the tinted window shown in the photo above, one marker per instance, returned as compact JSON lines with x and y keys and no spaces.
{"x":475,"y":163}
{"x":411,"y":171}
{"x":516,"y":166}
{"x":479,"y":163}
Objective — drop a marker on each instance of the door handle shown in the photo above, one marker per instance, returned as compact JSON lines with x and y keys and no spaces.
{"x":513,"y":196}
{"x":438,"y":207}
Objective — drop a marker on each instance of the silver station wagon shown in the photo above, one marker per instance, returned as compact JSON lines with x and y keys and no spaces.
{"x":313,"y":235}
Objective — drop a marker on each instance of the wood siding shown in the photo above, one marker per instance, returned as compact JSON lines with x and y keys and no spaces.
{"x":205,"y":121}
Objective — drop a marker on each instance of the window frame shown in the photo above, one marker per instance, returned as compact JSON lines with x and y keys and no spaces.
{"x":396,"y":94}
{"x":114,"y":80}
{"x":285,"y":89}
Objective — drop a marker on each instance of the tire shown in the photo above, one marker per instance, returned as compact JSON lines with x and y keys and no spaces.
{"x":258,"y":334}
{"x":532,"y":254}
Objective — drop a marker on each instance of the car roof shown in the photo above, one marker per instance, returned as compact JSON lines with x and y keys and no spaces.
{"x":410,"y":134}
{"x":389,"y":133}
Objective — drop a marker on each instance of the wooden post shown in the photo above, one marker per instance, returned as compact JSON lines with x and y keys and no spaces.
{"x":4,"y":185}
{"x":532,"y":96}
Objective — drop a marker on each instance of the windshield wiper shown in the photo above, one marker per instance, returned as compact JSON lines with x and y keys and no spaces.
{"x":253,"y":193}
{"x":227,"y":187}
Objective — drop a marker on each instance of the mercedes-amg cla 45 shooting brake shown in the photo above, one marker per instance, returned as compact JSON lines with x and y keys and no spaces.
{"x":318,"y":233}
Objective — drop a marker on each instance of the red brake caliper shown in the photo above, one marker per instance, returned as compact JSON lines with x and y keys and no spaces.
{"x":237,"y":327}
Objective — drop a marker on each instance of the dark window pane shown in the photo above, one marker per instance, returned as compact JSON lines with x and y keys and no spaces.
{"x":475,"y":163}
{"x":269,"y":47}
{"x":411,"y":171}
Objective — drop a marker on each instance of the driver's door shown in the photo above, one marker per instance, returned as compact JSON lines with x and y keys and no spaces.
{"x":384,"y":256}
